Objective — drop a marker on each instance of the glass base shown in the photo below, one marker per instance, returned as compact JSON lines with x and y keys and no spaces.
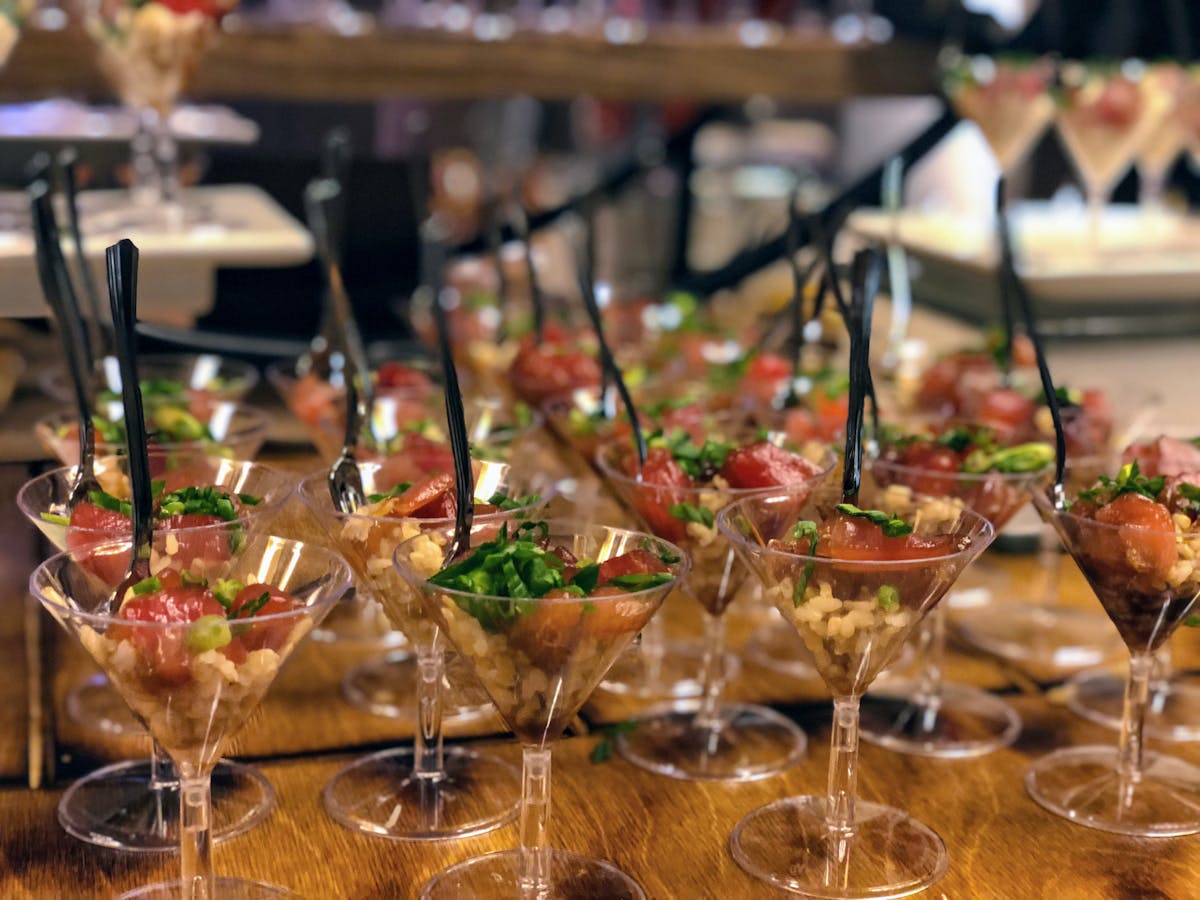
{"x":675,"y":674}
{"x":966,"y":721}
{"x":96,"y":706}
{"x":1082,"y":784}
{"x":1172,"y":715}
{"x":498,"y":875}
{"x":788,"y":845}
{"x":753,"y":742}
{"x":388,"y":687}
{"x":379,"y":796}
{"x":115,"y":808}
{"x":779,"y":648}
{"x":1055,"y":636}
{"x":226,"y":889}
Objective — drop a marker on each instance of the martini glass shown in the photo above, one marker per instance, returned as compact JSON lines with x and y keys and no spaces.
{"x":232,"y":429}
{"x":1173,"y":712}
{"x":1008,"y":98}
{"x":132,"y":805}
{"x":1166,"y":142}
{"x":539,"y":659}
{"x":854,"y":613}
{"x":423,"y":792}
{"x":191,"y":691}
{"x":149,"y":52}
{"x":12,"y":16}
{"x":1106,"y":112}
{"x":1142,"y":576}
{"x":708,"y":739}
{"x":928,"y":716}
{"x":655,"y":665}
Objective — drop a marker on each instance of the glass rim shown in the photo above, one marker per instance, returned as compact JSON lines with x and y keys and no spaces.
{"x":680,"y":569}
{"x":1046,"y":505}
{"x":322,"y":475}
{"x":610,"y":473}
{"x":259,"y":421}
{"x":245,"y":372}
{"x":63,"y":558}
{"x":67,"y":473}
{"x":985,"y":527}
{"x":966,"y":477}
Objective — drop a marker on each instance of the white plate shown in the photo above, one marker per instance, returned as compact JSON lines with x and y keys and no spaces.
{"x":177,"y":268}
{"x":1140,"y":257}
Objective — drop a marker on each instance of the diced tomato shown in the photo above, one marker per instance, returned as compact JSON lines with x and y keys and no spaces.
{"x":214,"y":9}
{"x":201,"y":403}
{"x":1146,"y":539}
{"x":263,"y":635}
{"x":764,"y":464}
{"x":1117,"y":105}
{"x":433,"y":493}
{"x":547,"y":633}
{"x":765,"y":375}
{"x":315,"y":401}
{"x":607,"y":617}
{"x":91,"y":524}
{"x":540,"y":372}
{"x":664,"y":483}
{"x":690,"y":418}
{"x":1006,"y":410}
{"x":394,"y":374}
{"x":855,"y":538}
{"x":936,"y":468}
{"x":163,"y":651}
{"x":635,"y":562}
{"x":205,"y":540}
{"x":1164,"y":456}
{"x":831,"y":413}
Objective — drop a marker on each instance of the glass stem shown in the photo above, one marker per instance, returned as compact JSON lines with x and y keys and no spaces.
{"x":931,"y":648}
{"x":162,"y":773}
{"x":1160,"y":681}
{"x":843,"y":785}
{"x":1049,"y":561}
{"x":1152,"y":188}
{"x":535,"y":875}
{"x":1137,"y":692}
{"x":708,"y":716}
{"x":427,"y":755}
{"x":195,"y":838}
{"x":144,"y":175}
{"x":166,"y":154}
{"x":1095,"y":207}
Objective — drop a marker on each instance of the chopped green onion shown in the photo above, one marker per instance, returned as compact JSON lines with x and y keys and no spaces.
{"x":888,"y":597}
{"x":208,"y":633}
{"x":147,"y":586}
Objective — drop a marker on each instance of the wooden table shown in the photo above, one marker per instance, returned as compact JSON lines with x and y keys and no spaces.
{"x":672,"y":836}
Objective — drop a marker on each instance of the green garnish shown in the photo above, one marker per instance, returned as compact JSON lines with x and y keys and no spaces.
{"x":1190,"y":493}
{"x":147,"y":586}
{"x":892,"y":527}
{"x":387,"y":495}
{"x":152,"y":389}
{"x":697,"y":462}
{"x":688,"y":512}
{"x":1129,"y":480}
{"x":1009,"y":460}
{"x":249,"y":499}
{"x":500,"y":501}
{"x":226,"y":591}
{"x":888,"y":597}
{"x":801,"y":530}
{"x":585,"y":579}
{"x":641,"y":581}
{"x":957,"y":439}
{"x":206,"y":501}
{"x":668,"y":558}
{"x":105,"y":500}
{"x":108,"y":432}
{"x":1066,"y":396}
{"x":208,"y":633}
{"x":507,"y":567}
{"x":252,"y":607}
{"x":55,"y":519}
{"x":190,"y":580}
{"x":603,"y":750}
{"x":1192,"y":621}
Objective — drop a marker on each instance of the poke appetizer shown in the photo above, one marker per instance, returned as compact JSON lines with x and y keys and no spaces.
{"x":561,"y":363}
{"x":966,"y":462}
{"x":854,"y":619}
{"x":541,"y":623}
{"x":149,"y":49}
{"x":1136,"y":538}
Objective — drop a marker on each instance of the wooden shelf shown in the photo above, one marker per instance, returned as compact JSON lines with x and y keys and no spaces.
{"x":307,"y":64}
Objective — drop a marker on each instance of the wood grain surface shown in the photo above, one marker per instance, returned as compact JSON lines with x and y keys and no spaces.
{"x":309,"y":64}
